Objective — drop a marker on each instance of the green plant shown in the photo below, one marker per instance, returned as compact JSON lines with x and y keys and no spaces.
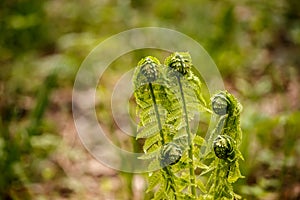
{"x":153,"y":105}
{"x":187,"y":99}
{"x":226,"y":139}
{"x":18,"y":149}
{"x":168,"y":99}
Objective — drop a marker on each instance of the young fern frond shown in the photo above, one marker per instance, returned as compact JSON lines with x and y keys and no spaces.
{"x":148,"y":93}
{"x":225,"y":166}
{"x":152,"y":108}
{"x":226,"y":105}
{"x":186,"y":98}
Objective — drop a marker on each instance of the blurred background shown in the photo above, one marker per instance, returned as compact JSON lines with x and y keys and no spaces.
{"x":255,"y":44}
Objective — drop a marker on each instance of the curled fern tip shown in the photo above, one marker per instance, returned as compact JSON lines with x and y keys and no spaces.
{"x":180,"y":62}
{"x":170,"y":154}
{"x":149,"y":67}
{"x":223,"y":147}
{"x":220,"y":104}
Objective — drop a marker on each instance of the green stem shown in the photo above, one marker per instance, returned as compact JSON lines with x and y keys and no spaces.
{"x":157,"y":114}
{"x":166,"y":169}
{"x":190,"y":143}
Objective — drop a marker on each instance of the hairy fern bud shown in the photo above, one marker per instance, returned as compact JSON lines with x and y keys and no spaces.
{"x":220,"y":104}
{"x":170,"y":154}
{"x":149,"y":68}
{"x":180,"y":62}
{"x":223,"y":147}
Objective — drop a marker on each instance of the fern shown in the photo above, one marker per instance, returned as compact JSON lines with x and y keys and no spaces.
{"x":152,"y":107}
{"x":227,"y":137}
{"x":168,"y":99}
{"x":232,"y":110}
{"x":187,"y":101}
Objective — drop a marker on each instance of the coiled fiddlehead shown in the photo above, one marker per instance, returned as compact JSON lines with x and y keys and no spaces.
{"x":181,"y":62}
{"x":170,"y":154}
{"x":220,"y":104}
{"x":149,"y":67}
{"x":224,"y":147}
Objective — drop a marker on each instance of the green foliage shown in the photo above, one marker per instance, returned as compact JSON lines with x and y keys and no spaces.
{"x":17,"y":145}
{"x":226,"y":139}
{"x":22,"y":27}
{"x":168,"y":98}
{"x":187,"y":101}
{"x":152,"y":107}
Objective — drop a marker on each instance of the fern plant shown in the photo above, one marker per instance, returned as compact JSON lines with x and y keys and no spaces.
{"x":153,"y":107}
{"x":187,"y":101}
{"x":168,"y":99}
{"x":226,"y":138}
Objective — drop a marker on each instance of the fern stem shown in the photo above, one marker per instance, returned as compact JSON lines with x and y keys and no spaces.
{"x":166,"y":169}
{"x":190,"y":143}
{"x":157,"y":113}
